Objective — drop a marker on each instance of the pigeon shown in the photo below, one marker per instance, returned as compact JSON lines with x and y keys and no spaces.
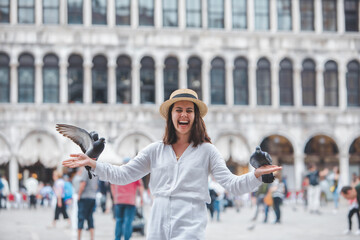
{"x":260,"y":158}
{"x":90,"y":143}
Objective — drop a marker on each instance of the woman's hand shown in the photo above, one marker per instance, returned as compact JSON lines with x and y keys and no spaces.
{"x":266,"y":169}
{"x":79,"y":160}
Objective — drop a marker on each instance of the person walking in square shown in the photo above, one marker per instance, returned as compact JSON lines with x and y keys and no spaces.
{"x":314,"y":191}
{"x":86,"y":202}
{"x":353,"y":195}
{"x":125,"y":206}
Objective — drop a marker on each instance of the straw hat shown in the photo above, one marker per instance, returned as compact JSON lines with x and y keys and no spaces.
{"x":183,"y":95}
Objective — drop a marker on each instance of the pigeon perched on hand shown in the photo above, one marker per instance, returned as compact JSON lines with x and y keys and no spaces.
{"x":260,"y":158}
{"x":89,"y":143}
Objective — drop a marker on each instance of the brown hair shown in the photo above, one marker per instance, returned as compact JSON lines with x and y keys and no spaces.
{"x":198,"y":132}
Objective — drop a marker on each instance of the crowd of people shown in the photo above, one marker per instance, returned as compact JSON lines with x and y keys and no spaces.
{"x":179,"y":165}
{"x":71,"y":192}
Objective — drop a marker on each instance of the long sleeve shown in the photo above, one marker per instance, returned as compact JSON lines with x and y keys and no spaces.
{"x":235,"y":184}
{"x":125,"y":174}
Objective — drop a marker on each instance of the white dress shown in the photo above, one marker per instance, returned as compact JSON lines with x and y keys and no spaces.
{"x":179,"y":187}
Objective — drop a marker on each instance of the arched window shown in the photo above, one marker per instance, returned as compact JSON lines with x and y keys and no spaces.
{"x":26,"y":10}
{"x":284,"y":15}
{"x":147,"y":80}
{"x":75,"y":11}
{"x":146,"y":12}
{"x":123,"y":79}
{"x":194,"y":75}
{"x":99,"y":10}
{"x":171,"y":76}
{"x":262,"y":14}
{"x":217,"y":76}
{"x":26,"y":78}
{"x":99,"y":79}
{"x":123,"y":12}
{"x":75,"y":79}
{"x":50,"y":11}
{"x":329,"y":9}
{"x":170,"y":13}
{"x":286,"y":83}
{"x":241,"y":87}
{"x":51,"y":79}
{"x":4,"y":78}
{"x":351,"y":15}
{"x":331,"y":84}
{"x":353,"y":84}
{"x":263,"y":82}
{"x":5,"y":11}
{"x":239,"y":14}
{"x":193,"y":13}
{"x":308,"y":83}
{"x":307,"y":15}
{"x":216,"y":13}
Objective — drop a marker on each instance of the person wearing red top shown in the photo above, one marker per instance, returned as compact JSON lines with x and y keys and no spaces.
{"x":124,"y":199}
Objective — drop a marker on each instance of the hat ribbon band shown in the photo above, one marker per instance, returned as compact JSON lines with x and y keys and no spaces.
{"x":184,"y":95}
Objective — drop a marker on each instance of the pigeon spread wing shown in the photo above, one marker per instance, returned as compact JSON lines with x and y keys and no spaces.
{"x":78,"y":135}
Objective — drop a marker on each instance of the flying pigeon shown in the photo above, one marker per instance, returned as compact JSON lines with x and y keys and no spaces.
{"x":260,"y":158}
{"x":89,"y":143}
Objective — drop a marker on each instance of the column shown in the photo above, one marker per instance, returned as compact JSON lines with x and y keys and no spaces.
{"x":38,"y":83}
{"x":111,"y":13}
{"x":275,"y":88}
{"x":135,"y":83}
{"x":250,"y":16}
{"x":205,"y":73}
{"x":63,"y":12}
{"x":183,"y":74}
{"x":229,"y":83}
{"x":297,"y":88}
{"x":299,"y":167}
{"x":318,"y":16}
{"x":182,"y":14}
{"x":273,"y":16}
{"x":227,"y":15}
{"x":38,"y":12}
{"x":204,"y":13}
{"x":87,"y":82}
{"x":342,"y":86}
{"x":63,"y":82}
{"x":252,"y":83}
{"x":13,"y":82}
{"x":344,"y":167}
{"x":340,"y":16}
{"x":87,"y":13}
{"x":159,"y":82}
{"x":158,"y":15}
{"x":134,"y":9}
{"x":319,"y":86}
{"x":13,"y":176}
{"x":13,"y":12}
{"x":295,"y":10}
{"x":111,"y":82}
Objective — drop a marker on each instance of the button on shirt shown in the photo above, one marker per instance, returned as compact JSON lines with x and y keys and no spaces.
{"x":183,"y":178}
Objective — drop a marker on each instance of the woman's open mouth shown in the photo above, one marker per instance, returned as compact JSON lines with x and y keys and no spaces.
{"x":183,"y":123}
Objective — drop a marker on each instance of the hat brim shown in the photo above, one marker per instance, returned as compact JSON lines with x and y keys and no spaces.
{"x":164,"y":108}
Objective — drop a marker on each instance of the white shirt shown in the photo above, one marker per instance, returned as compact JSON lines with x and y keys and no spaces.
{"x":31,"y":185}
{"x":185,"y":178}
{"x":180,"y":187}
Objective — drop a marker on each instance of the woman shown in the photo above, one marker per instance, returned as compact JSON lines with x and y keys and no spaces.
{"x":179,"y":167}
